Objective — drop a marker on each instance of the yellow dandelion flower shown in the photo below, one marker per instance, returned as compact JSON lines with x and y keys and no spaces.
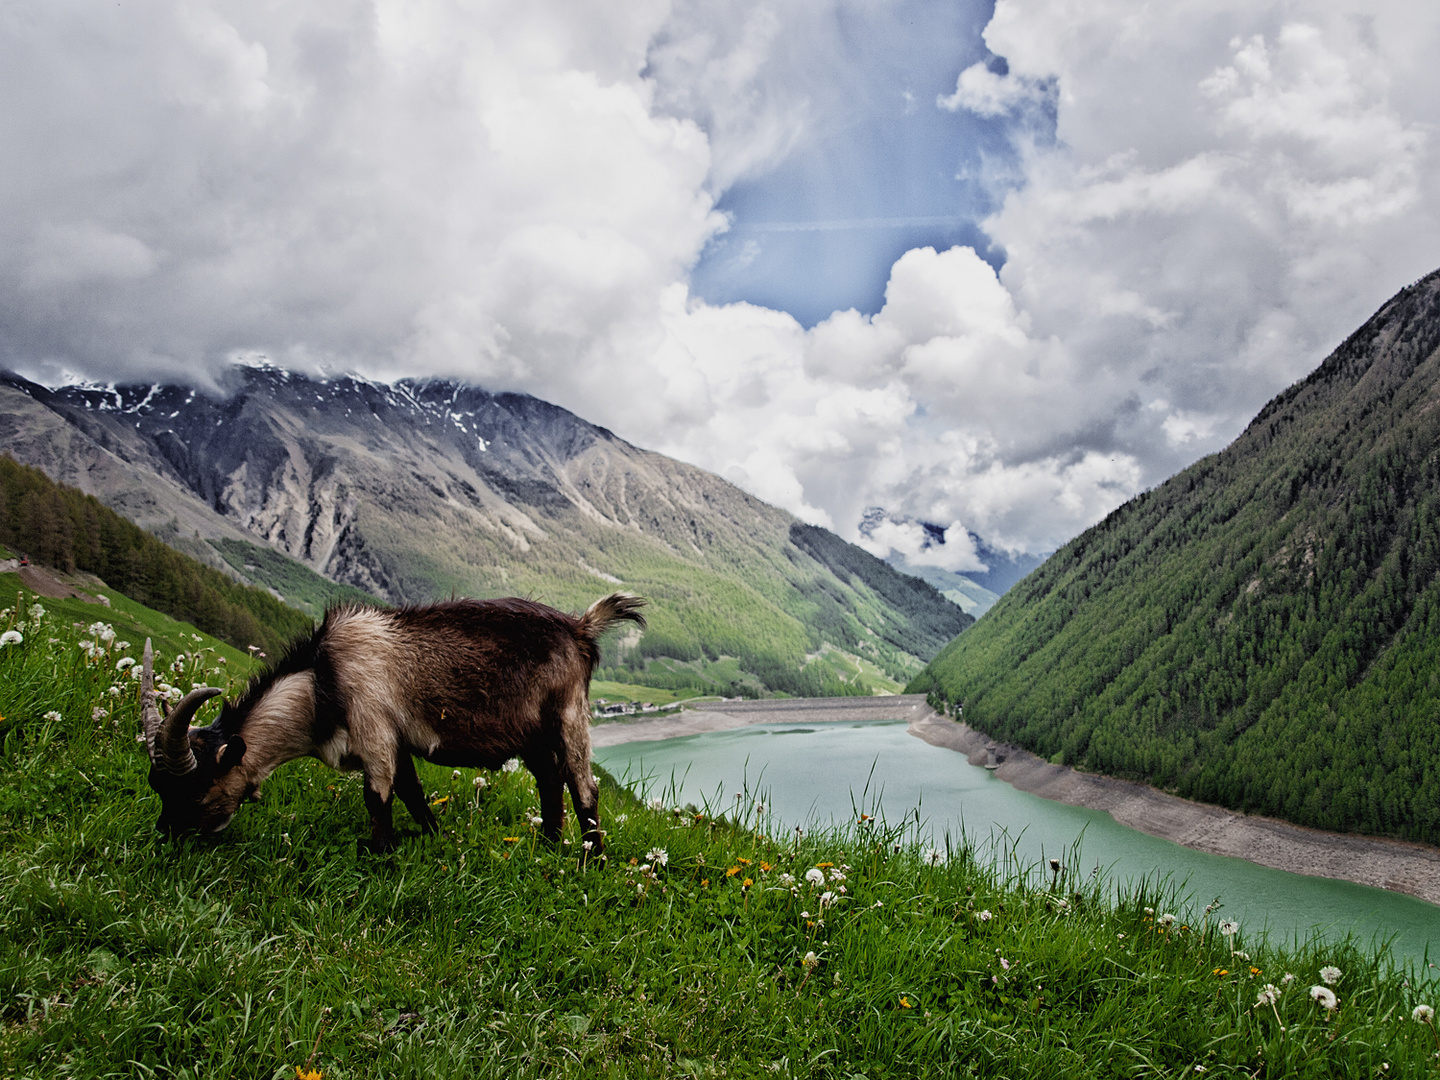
{"x":742,"y":860}
{"x":1254,"y":971}
{"x":823,"y":865}
{"x":440,"y":801}
{"x":747,"y":882}
{"x":307,"y":1074}
{"x":905,"y":1003}
{"x":1222,"y":972}
{"x":511,"y":839}
{"x":765,"y":867}
{"x":732,"y":871}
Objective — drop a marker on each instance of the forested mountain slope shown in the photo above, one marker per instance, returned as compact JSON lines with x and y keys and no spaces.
{"x":1262,"y":631}
{"x":61,"y":527}
{"x":417,"y":490}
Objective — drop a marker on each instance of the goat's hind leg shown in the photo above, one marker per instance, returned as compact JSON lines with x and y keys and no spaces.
{"x":551,"y":785}
{"x":584,"y":791}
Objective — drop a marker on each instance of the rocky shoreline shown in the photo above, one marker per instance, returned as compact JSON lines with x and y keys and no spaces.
{"x":1387,"y":864}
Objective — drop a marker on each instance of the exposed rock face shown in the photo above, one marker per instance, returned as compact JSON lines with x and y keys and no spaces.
{"x":419,"y":489}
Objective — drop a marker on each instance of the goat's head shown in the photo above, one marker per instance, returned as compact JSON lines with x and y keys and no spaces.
{"x":188,"y":764}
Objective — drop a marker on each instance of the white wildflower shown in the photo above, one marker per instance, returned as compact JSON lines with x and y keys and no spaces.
{"x":124,"y":662}
{"x":826,"y":899}
{"x":480,"y":783}
{"x":984,"y":916}
{"x":836,"y":875}
{"x":815,"y":876}
{"x":536,"y":820}
{"x":655,"y":804}
{"x":11,"y":637}
{"x":121,"y":646}
{"x":1330,"y":975}
{"x":114,"y":691}
{"x":1423,"y":1013}
{"x":1167,"y":919}
{"x":511,"y":765}
{"x":98,"y":713}
{"x":1229,"y":928}
{"x":37,"y":612}
{"x":810,"y":961}
{"x":53,"y":716}
{"x":1149,"y":911}
{"x":1288,"y":979}
{"x":1268,"y":995}
{"x":934,"y":856}
{"x":587,"y":844}
{"x":659,"y":856}
{"x":1325,"y":997}
{"x":787,"y":881}
{"x":196,"y":637}
{"x":454,"y":774}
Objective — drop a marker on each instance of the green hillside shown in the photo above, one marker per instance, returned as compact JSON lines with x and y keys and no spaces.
{"x":1263,"y":630}
{"x":61,"y":527}
{"x":297,"y":584}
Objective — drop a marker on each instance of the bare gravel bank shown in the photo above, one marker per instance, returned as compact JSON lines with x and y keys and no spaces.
{"x":727,"y":715}
{"x":1386,"y":864}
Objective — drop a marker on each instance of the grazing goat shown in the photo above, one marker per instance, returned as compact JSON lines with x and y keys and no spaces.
{"x":470,"y":683}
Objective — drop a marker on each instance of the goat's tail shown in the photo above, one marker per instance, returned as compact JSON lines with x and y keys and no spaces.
{"x":609,"y":610}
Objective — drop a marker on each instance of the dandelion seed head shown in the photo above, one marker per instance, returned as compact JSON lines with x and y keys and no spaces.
{"x":815,"y":876}
{"x":659,"y":856}
{"x":1325,"y":997}
{"x":1329,"y":975}
{"x":1229,"y":928}
{"x":1422,"y":1013}
{"x":11,"y":637}
{"x":984,"y":916}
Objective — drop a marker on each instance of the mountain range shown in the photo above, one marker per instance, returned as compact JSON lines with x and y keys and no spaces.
{"x":417,"y":490}
{"x":1262,"y":631}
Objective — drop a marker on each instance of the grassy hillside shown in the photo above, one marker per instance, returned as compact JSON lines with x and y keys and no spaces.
{"x":1263,"y":630}
{"x":298,"y":585}
{"x":698,"y":948}
{"x":58,"y":526}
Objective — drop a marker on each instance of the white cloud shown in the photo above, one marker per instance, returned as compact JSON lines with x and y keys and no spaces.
{"x":985,"y":93}
{"x":515,"y":194}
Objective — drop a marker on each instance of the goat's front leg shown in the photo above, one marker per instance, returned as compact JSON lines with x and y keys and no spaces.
{"x":382,"y":833}
{"x":407,"y":786}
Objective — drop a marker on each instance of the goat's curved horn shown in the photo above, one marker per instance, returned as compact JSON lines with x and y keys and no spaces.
{"x":150,"y":718}
{"x":176,"y":754}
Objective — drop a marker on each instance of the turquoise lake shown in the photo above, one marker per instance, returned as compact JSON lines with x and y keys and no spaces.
{"x":813,"y":774}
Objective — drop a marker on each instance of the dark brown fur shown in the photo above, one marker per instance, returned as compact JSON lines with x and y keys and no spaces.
{"x":468,"y":683}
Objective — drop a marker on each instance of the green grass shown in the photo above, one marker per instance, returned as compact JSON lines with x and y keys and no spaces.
{"x":482,"y":951}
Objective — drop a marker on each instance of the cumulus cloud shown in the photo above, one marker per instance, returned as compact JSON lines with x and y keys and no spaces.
{"x":1201,"y":199}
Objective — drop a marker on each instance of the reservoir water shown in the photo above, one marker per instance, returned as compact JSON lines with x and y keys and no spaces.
{"x":813,"y":774}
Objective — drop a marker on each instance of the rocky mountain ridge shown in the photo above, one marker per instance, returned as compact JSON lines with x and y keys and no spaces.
{"x":417,"y":489}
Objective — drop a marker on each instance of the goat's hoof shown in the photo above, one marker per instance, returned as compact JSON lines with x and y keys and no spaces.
{"x":376,"y":845}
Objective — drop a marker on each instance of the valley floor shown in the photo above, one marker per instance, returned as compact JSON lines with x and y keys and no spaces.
{"x":1397,"y":865}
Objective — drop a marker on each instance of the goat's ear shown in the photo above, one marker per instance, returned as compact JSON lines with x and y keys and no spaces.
{"x":229,"y":755}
